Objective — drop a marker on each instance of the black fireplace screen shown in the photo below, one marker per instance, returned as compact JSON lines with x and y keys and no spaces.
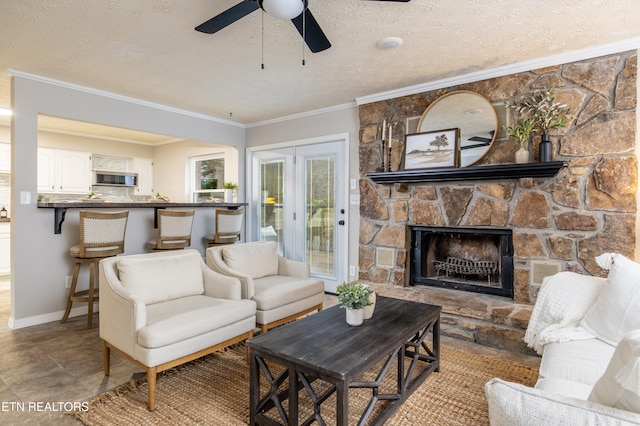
{"x":469,"y":259}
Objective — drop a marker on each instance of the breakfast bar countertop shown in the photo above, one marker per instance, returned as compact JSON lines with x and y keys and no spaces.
{"x":60,"y":207}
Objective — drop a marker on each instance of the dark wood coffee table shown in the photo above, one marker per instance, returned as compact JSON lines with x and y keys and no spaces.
{"x":324,"y":347}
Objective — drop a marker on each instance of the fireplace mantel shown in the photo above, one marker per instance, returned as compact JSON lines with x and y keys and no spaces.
{"x":494,"y":171}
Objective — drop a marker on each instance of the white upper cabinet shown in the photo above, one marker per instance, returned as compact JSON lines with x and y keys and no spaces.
{"x":46,"y":170}
{"x":64,"y":171}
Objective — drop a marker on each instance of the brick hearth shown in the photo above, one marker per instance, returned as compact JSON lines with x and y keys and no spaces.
{"x":479,"y":318}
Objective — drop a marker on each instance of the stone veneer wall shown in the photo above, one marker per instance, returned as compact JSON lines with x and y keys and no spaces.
{"x":587,"y":209}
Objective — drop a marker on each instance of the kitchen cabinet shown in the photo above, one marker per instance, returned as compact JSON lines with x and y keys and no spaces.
{"x":63,"y":171}
{"x":5,"y":248}
{"x":5,"y":157}
{"x":144,"y":168}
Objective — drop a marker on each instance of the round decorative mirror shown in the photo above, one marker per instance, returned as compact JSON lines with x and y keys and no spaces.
{"x":472,"y":114}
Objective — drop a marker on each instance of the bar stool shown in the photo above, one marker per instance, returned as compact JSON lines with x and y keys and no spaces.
{"x":228,"y":227}
{"x":174,"y":230}
{"x":101,"y":236}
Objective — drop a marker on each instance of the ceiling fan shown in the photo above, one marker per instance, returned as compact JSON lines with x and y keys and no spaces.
{"x":295,"y":10}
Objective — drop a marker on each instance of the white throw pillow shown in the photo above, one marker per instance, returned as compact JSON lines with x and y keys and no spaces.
{"x":619,"y":386}
{"x":160,"y":278}
{"x":254,"y":259}
{"x":617,"y":309}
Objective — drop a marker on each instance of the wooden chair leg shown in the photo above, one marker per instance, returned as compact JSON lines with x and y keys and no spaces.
{"x":72,"y":291}
{"x":151,"y":381}
{"x":106,"y":357}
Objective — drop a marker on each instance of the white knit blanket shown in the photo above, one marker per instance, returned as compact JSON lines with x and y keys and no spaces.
{"x":562,"y":302}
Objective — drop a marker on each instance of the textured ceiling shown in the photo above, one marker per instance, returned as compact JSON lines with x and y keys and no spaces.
{"x":148,"y":49}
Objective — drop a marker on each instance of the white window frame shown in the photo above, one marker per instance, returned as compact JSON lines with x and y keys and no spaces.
{"x":193,"y":185}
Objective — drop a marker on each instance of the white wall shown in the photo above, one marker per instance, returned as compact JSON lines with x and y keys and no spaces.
{"x":40,"y":258}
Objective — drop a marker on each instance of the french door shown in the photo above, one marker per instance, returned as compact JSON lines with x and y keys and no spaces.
{"x":298,"y":200}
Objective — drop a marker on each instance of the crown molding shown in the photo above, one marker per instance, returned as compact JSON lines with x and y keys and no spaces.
{"x":561,"y":58}
{"x":303,"y":114}
{"x":92,"y":91}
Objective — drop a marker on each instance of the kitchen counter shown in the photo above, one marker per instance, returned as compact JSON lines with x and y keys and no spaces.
{"x":60,"y":207}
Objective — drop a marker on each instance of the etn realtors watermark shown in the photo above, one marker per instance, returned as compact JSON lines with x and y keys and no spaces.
{"x":43,"y":406}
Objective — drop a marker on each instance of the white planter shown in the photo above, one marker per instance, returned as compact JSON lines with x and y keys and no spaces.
{"x":522,"y":156}
{"x":228,"y":195}
{"x":355,"y":316}
{"x":368,"y":310}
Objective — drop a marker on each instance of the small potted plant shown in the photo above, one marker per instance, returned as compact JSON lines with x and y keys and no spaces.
{"x":354,"y":297}
{"x":229,"y":187}
{"x":521,"y":133}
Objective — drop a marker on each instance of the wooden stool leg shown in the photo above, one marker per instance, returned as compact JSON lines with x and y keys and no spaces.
{"x":92,"y":278}
{"x":72,"y":291}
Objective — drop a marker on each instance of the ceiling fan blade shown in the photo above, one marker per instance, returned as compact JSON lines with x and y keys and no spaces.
{"x":228,"y":17}
{"x":311,"y":31}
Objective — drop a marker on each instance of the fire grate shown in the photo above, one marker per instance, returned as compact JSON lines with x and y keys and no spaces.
{"x":465,"y":268}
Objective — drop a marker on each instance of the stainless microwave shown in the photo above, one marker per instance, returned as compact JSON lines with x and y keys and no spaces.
{"x":115,"y":178}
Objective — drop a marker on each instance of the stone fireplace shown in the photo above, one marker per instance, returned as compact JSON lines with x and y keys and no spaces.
{"x":589,"y":207}
{"x":470,"y":259}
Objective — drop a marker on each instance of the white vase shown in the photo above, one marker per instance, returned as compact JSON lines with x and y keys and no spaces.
{"x":522,"y":156}
{"x":228,"y":195}
{"x":368,"y":310}
{"x":355,"y":316}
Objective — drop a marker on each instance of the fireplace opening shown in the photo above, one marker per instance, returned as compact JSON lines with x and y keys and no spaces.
{"x":469,"y":259}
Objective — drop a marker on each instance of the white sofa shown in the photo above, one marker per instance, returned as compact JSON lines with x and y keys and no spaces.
{"x":282,"y":288}
{"x":587,"y":330}
{"x":163,"y":309}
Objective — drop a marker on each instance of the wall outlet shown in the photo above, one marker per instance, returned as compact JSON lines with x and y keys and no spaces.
{"x":352,"y":271}
{"x":67,"y":281}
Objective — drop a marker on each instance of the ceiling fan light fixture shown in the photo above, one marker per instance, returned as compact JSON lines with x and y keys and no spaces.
{"x":283,"y":9}
{"x":389,"y":42}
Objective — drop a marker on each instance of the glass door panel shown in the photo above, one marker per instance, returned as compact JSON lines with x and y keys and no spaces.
{"x":319,"y":215}
{"x":271,"y":199}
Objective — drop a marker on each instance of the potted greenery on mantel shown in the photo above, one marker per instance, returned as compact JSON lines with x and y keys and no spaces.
{"x":548,"y":115}
{"x":521,"y":133}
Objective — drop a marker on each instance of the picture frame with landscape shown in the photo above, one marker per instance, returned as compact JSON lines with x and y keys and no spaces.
{"x":433,"y":149}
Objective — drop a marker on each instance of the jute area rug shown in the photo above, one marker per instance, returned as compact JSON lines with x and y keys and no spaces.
{"x":214,"y":390}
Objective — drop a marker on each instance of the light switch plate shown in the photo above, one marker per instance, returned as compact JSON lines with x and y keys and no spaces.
{"x":355,"y":199}
{"x":25,"y":197}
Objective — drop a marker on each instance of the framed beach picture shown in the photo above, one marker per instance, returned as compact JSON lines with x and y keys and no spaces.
{"x":438,"y":148}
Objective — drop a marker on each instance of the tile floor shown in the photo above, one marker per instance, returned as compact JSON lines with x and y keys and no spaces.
{"x":62,"y":363}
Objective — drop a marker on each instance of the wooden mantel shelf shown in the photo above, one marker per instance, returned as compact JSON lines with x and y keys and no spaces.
{"x":494,"y":171}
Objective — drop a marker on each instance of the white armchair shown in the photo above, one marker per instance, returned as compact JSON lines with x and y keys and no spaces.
{"x":163,"y":309}
{"x":282,"y":288}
